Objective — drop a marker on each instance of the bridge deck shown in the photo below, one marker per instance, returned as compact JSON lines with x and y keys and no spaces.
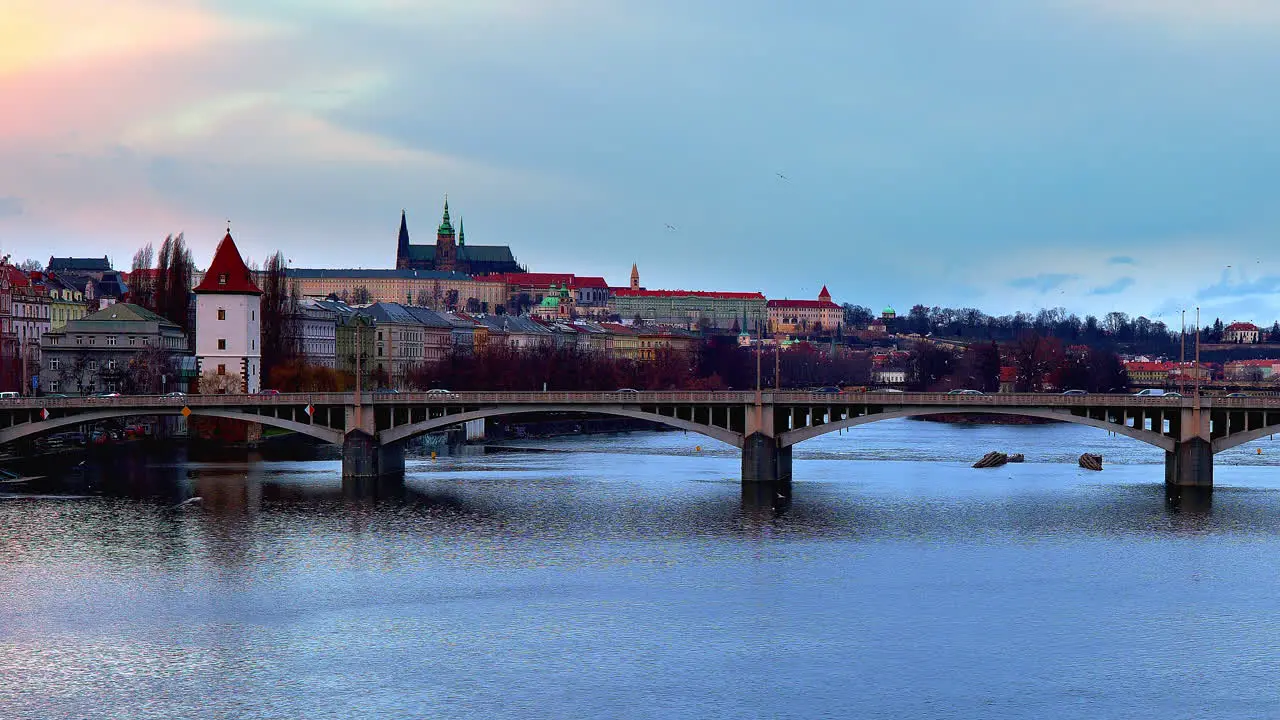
{"x":960,"y":402}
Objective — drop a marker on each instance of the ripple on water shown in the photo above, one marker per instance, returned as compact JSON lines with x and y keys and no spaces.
{"x":625,"y":576}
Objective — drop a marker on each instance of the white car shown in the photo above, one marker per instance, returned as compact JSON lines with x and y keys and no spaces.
{"x":438,"y":391}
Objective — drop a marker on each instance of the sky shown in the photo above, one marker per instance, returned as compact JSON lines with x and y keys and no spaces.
{"x":1002,"y":154}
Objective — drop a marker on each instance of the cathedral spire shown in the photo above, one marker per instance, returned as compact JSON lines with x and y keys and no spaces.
{"x":402,"y":244}
{"x":462,"y":234}
{"x":446,"y":227}
{"x":635,"y":277}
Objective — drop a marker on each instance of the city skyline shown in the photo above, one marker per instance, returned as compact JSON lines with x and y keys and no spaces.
{"x":1122,"y":163}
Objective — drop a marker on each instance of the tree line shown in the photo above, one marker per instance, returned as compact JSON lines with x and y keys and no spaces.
{"x":1115,"y":330}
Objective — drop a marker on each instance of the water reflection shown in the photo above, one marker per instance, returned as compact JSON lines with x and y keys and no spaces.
{"x":1189,"y":500}
{"x":638,"y":578}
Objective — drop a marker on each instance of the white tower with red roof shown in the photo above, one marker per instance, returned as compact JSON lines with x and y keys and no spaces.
{"x":229,"y":320}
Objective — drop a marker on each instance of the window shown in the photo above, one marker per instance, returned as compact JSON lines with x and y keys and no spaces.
{"x":53,"y":386}
{"x":133,"y":341}
{"x":111,"y":340}
{"x":92,"y":339}
{"x":79,"y":340}
{"x":55,"y":364}
{"x":222,"y":343}
{"x":222,"y":313}
{"x":111,"y":364}
{"x":92,"y":365}
{"x":222,"y":278}
{"x":222,"y":369}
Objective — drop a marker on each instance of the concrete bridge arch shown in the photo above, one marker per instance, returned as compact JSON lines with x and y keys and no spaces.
{"x":792,"y":437}
{"x":44,"y":427}
{"x":400,"y":433}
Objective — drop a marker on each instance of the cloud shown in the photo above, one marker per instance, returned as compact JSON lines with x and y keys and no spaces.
{"x":1114,"y":288}
{"x":1120,"y":260}
{"x":1224,"y":288}
{"x":1191,"y":16}
{"x":1044,"y":282}
{"x":10,"y":206}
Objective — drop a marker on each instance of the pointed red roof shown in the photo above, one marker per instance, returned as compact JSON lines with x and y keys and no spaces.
{"x":824,"y":294}
{"x":228,"y":273}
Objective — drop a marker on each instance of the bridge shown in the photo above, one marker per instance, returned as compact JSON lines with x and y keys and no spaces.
{"x":372,"y":429}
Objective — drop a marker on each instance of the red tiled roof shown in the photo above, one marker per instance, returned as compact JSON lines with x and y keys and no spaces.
{"x":617,"y":329}
{"x":545,"y":279}
{"x":1150,"y":366}
{"x":17,"y":278}
{"x":227,"y":261}
{"x":1241,"y":326}
{"x":627,"y":292}
{"x":1252,"y":363}
{"x":809,"y":304}
{"x":536,"y":279}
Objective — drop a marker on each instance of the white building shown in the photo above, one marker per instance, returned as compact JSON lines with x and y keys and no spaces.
{"x":889,"y":377}
{"x":229,"y":324}
{"x":317,"y":333}
{"x":1240,"y":332}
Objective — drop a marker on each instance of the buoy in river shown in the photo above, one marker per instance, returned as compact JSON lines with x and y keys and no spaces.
{"x":698,"y":448}
{"x":433,"y":454}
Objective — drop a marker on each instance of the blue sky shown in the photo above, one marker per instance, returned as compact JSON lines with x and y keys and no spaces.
{"x":1092,"y":154}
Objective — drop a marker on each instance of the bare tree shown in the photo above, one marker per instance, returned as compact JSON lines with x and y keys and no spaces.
{"x":211,"y":383}
{"x":172,"y":291}
{"x":142,"y":282}
{"x":279,"y":315}
{"x":30,"y":266}
{"x":424,"y":298}
{"x":361,"y":296}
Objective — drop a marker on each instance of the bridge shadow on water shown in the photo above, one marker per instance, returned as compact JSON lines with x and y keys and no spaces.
{"x":223,"y":503}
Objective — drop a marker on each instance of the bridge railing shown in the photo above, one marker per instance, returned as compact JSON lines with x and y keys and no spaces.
{"x":586,"y":398}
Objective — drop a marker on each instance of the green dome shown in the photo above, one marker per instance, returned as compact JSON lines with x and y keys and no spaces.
{"x":551,"y":301}
{"x":889,"y":311}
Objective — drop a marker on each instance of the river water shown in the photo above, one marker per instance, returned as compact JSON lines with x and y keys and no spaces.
{"x":625,"y":576}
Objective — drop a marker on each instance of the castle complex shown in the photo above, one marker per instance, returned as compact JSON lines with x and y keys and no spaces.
{"x":452,"y":253}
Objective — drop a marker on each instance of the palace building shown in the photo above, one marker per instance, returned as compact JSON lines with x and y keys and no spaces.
{"x":451,"y":253}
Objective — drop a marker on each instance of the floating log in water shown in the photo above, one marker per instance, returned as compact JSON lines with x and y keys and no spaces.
{"x":992,"y":459}
{"x":1016,"y":457}
{"x":1089,"y":461}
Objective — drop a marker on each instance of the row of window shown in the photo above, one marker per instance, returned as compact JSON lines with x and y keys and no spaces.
{"x":56,"y":364}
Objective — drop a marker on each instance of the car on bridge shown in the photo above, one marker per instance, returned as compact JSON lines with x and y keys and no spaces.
{"x":439,"y":391}
{"x":1237,"y":395}
{"x":108,"y":394}
{"x":1154,"y":392}
{"x":965,"y":392}
{"x":627,"y":390}
{"x":175,"y":393}
{"x":1075,"y":392}
{"x":829,"y":390}
{"x":267,"y":391}
{"x":386,"y":391}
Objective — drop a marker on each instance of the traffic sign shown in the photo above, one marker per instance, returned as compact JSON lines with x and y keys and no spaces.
{"x":311,"y":410}
{"x":186,"y":411}
{"x":44,"y":413}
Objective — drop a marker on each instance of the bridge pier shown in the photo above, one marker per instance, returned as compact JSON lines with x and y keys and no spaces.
{"x":1190,"y":464}
{"x":363,"y":457}
{"x":763,"y":461}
